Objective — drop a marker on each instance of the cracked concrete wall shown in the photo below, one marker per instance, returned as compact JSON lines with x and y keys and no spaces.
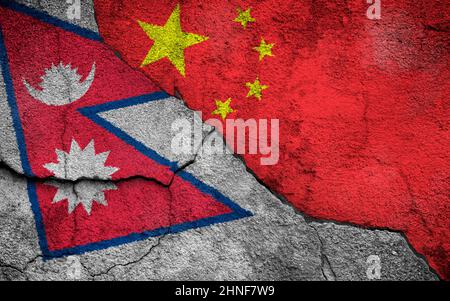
{"x":152,"y":125}
{"x":343,"y":244}
{"x":277,"y":243}
{"x":361,"y":103}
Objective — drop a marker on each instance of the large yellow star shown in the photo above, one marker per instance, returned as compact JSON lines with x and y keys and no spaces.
{"x":244,"y":17}
{"x":264,"y":49}
{"x":223,"y":108}
{"x":255,"y":89}
{"x":169,"y":41}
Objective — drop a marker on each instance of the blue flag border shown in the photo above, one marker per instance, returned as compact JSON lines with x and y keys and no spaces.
{"x":92,"y":113}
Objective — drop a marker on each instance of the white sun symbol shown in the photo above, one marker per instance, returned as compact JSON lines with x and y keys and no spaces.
{"x":83,"y":166}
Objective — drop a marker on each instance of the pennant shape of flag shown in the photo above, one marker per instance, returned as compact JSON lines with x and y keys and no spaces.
{"x":106,"y":187}
{"x":362,"y":104}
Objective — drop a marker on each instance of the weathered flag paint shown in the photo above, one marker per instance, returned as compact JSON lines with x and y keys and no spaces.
{"x":99,"y":186}
{"x":362,"y":102}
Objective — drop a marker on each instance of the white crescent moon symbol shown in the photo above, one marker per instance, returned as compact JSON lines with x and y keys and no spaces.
{"x":60,"y":86}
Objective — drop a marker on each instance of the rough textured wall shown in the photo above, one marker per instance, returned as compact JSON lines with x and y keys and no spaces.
{"x":362,"y":104}
{"x":276,"y":242}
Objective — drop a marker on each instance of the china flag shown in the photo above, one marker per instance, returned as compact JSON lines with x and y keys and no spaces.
{"x":363,"y":104}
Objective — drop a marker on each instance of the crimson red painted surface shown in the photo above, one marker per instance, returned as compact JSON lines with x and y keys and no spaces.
{"x":363,"y":105}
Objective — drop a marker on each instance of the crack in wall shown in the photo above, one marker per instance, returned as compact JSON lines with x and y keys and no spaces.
{"x":22,"y":271}
{"x":6,"y":167}
{"x":326,"y":267}
{"x":281,"y":198}
{"x":128,"y":263}
{"x":328,"y":273}
{"x":8,"y":266}
{"x":310,"y":219}
{"x":327,"y":270}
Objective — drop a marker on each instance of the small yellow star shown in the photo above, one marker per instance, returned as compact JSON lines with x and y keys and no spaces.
{"x":264,"y":49}
{"x":223,"y":108}
{"x":256,"y":89}
{"x":244,"y":17}
{"x":169,"y":41}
